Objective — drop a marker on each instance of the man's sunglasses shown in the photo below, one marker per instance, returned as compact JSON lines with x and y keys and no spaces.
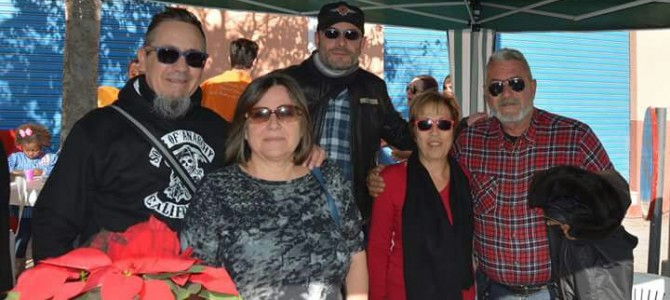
{"x":169,"y":55}
{"x":349,"y":34}
{"x":516,"y":83}
{"x":284,"y":113}
{"x":427,"y":124}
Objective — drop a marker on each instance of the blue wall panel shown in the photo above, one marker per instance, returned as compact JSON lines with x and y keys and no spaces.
{"x":32,"y":34}
{"x":409,"y":52}
{"x":583,"y":76}
{"x":121,"y":33}
{"x":31,"y":51}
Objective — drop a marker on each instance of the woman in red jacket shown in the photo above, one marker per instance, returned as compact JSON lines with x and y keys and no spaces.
{"x":420,"y":243}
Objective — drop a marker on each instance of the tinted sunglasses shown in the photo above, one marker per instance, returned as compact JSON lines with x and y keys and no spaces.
{"x":427,"y":124}
{"x":496,"y":87}
{"x":411,"y":89}
{"x":349,"y":34}
{"x":284,"y":113}
{"x":169,"y":55}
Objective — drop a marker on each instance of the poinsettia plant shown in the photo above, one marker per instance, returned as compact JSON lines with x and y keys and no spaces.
{"x":144,"y":262}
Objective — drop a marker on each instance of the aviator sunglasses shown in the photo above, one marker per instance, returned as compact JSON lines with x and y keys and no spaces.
{"x":169,"y":55}
{"x":496,"y":86}
{"x":349,"y":34}
{"x":427,"y":124}
{"x":287,"y":113}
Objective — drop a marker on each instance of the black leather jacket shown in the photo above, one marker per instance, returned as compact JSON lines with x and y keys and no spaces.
{"x":594,"y":269}
{"x":373,"y":118}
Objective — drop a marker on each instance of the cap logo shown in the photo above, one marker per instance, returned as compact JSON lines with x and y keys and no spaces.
{"x":343,"y":10}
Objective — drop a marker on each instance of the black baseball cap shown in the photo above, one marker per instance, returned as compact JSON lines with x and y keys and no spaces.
{"x":333,"y":13}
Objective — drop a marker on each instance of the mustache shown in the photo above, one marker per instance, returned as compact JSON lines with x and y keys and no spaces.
{"x":508,"y":101}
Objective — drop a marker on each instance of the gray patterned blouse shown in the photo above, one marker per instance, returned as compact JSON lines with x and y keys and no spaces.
{"x":276,"y":238}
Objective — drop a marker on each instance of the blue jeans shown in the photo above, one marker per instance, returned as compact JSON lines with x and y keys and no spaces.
{"x":490,"y":290}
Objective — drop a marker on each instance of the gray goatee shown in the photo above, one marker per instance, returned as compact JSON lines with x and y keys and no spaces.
{"x":171,"y":108}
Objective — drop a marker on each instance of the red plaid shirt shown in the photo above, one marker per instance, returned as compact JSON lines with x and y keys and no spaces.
{"x":510,"y":239}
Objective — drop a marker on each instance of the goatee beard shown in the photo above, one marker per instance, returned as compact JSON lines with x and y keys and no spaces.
{"x":171,"y":108}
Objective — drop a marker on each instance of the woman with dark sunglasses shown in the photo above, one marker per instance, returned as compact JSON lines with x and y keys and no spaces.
{"x":420,"y":243}
{"x":280,"y":231}
{"x":420,"y":84}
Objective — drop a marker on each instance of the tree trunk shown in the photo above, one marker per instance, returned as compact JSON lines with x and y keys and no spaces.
{"x":80,"y":61}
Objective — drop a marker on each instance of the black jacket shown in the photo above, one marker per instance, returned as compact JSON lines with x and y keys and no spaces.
{"x":592,"y":269}
{"x":373,"y":118}
{"x":5,"y":255}
{"x":598,"y":263}
{"x":108,"y":176}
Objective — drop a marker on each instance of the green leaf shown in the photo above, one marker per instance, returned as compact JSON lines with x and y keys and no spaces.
{"x":90,"y":295}
{"x":217,"y":296}
{"x":168,"y":275}
{"x":179,"y":292}
{"x":193,"y":288}
{"x":196,"y":269}
{"x":12,"y":296}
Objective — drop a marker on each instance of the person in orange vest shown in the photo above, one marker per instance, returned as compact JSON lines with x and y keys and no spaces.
{"x":220,"y":93}
{"x":109,"y":94}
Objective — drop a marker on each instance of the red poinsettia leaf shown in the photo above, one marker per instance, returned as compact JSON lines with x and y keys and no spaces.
{"x":181,"y":279}
{"x":40,"y":282}
{"x":81,"y":258}
{"x":187,"y":253}
{"x":69,"y":290}
{"x":215,"y":280}
{"x":154,"y":265}
{"x":150,"y":238}
{"x":221,"y":285}
{"x":156,"y":289}
{"x":95,"y":278}
{"x":215,"y":272}
{"x":116,"y":286}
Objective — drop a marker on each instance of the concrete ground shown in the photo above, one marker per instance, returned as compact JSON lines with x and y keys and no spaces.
{"x":640,"y":228}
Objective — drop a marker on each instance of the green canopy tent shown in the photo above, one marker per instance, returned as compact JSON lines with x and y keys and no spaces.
{"x":499,"y":15}
{"x":471,"y":25}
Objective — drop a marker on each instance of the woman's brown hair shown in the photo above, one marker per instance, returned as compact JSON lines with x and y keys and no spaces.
{"x":237,"y":148}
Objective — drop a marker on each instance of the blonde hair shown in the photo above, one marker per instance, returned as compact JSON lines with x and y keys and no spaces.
{"x":435,"y":99}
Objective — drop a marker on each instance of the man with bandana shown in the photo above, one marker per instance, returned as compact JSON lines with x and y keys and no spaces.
{"x":350,"y":108}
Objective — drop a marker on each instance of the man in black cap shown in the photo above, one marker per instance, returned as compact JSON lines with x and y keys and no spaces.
{"x":350,"y":108}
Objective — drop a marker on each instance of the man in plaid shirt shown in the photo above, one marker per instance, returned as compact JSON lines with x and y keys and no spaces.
{"x":502,"y":154}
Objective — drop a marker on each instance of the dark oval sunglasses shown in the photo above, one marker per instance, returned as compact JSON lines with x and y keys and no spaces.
{"x":515,"y":83}
{"x":411,"y":89}
{"x":169,"y":55}
{"x":284,"y":113}
{"x":427,"y":124}
{"x":349,"y":34}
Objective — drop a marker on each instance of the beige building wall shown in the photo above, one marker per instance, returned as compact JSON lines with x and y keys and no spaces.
{"x":283,"y":40}
{"x":650,"y":86}
{"x":653,"y":69}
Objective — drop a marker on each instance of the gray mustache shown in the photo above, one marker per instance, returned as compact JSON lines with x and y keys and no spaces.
{"x":510,"y":101}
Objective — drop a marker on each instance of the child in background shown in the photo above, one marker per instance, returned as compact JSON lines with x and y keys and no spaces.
{"x":33,"y":140}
